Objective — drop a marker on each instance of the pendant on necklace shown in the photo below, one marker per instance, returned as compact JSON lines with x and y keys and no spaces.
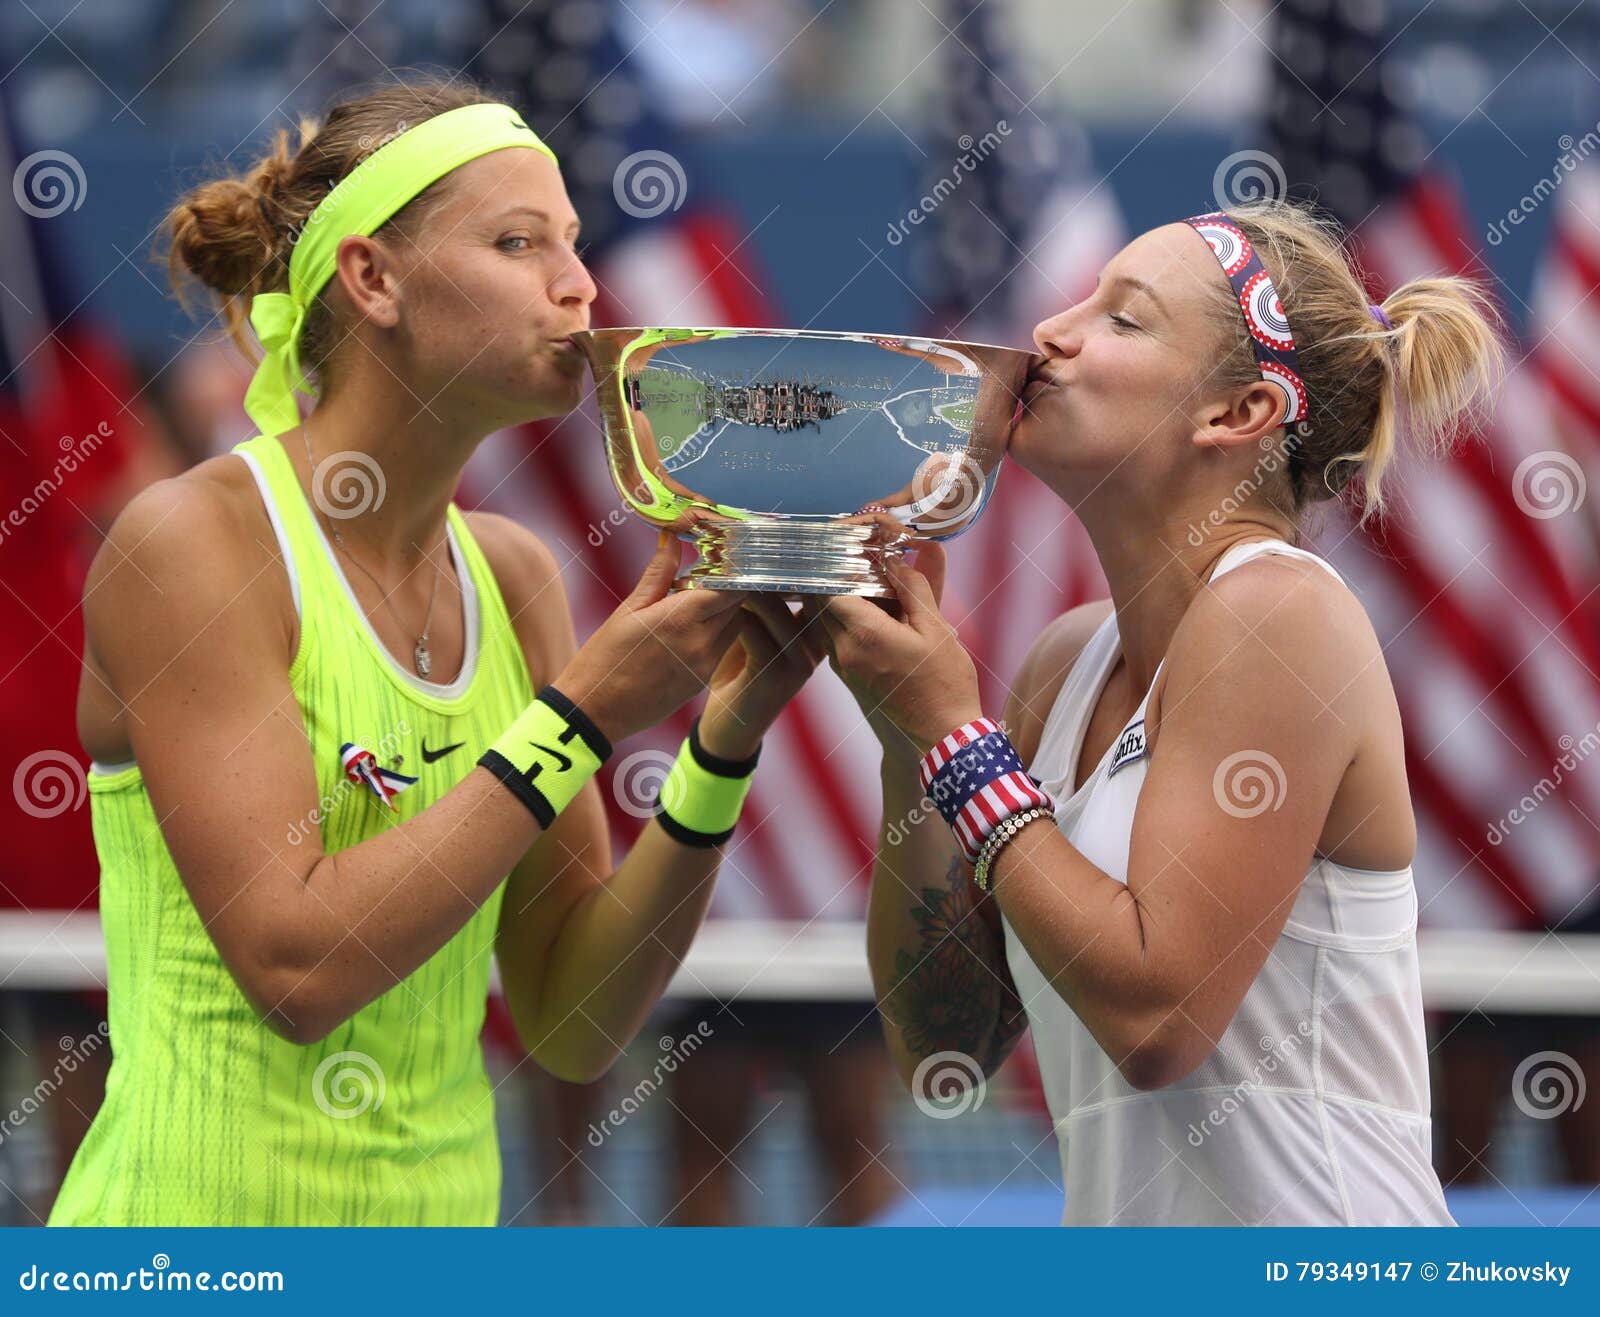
{"x":423,"y":659}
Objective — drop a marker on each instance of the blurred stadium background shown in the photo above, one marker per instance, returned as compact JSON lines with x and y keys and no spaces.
{"x":882,"y":165}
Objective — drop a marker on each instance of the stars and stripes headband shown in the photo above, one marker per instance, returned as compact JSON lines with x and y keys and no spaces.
{"x":362,"y":202}
{"x":1270,"y":336}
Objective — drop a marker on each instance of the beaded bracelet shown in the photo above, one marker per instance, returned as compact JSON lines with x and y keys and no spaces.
{"x":998,"y":840}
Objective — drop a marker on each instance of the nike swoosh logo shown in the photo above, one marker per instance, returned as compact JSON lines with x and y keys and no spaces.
{"x":565,"y":762}
{"x":428,"y":756}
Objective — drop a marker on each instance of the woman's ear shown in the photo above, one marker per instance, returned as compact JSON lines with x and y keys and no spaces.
{"x":366,"y":272}
{"x":1244,"y":417}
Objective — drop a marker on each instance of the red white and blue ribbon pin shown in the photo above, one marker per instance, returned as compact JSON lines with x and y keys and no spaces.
{"x":361,"y":766}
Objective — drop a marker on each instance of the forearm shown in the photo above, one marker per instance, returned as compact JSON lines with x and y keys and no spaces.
{"x":368,"y":916}
{"x":1089,"y":936}
{"x":616,"y":951}
{"x":938,"y":963}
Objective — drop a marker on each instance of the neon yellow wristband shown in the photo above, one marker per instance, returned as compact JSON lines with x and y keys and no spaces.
{"x":547,"y":754}
{"x":700,"y":801}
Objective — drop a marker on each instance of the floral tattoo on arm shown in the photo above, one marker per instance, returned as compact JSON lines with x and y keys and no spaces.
{"x":955,"y":991}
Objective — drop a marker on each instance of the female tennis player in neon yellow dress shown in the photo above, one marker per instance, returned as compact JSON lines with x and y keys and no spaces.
{"x":343,"y":736}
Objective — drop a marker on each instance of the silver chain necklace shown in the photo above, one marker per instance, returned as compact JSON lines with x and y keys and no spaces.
{"x":421,"y":657}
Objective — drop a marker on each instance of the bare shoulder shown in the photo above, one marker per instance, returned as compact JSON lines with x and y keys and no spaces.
{"x":1048,"y":661}
{"x":1288,"y":631}
{"x":529,"y":576}
{"x":217,"y":495}
{"x":184,"y":550}
{"x":1279,"y":658}
{"x":1288,"y":605}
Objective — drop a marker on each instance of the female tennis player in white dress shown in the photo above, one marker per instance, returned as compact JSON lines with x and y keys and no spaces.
{"x":1199,"y":895}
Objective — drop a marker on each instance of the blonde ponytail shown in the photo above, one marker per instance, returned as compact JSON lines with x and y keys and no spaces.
{"x":1447,"y":362}
{"x":1430,"y":371}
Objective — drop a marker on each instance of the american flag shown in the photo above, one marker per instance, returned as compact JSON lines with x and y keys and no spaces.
{"x":1481,"y":578}
{"x":68,"y":429}
{"x":1023,"y":235}
{"x":1564,"y":324}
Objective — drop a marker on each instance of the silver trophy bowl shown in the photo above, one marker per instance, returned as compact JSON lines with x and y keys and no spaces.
{"x":797,"y":462}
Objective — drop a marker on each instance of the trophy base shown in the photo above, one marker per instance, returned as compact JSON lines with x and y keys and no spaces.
{"x":793,"y":557}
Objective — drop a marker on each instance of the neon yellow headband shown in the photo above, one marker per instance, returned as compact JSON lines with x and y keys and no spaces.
{"x":362,"y":202}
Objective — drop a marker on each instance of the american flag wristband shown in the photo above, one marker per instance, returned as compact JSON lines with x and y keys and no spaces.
{"x":976,"y":780}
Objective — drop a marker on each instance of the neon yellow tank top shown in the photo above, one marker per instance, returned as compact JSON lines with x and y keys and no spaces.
{"x":209,"y":1117}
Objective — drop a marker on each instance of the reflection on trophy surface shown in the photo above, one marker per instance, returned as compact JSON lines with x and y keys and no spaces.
{"x":802,"y":462}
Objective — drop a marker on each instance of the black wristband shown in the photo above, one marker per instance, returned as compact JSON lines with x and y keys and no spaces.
{"x":688,"y":836}
{"x":579,"y":721}
{"x":541,"y":781}
{"x":513,"y":778}
{"x":716,"y":764}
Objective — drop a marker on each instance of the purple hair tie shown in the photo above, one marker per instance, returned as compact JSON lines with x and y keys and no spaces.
{"x":1378,"y":315}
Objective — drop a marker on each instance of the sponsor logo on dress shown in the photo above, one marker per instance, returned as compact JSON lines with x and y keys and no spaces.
{"x":1130,"y":747}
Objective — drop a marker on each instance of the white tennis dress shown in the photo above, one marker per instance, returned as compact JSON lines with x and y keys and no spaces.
{"x":1313,"y":1109}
